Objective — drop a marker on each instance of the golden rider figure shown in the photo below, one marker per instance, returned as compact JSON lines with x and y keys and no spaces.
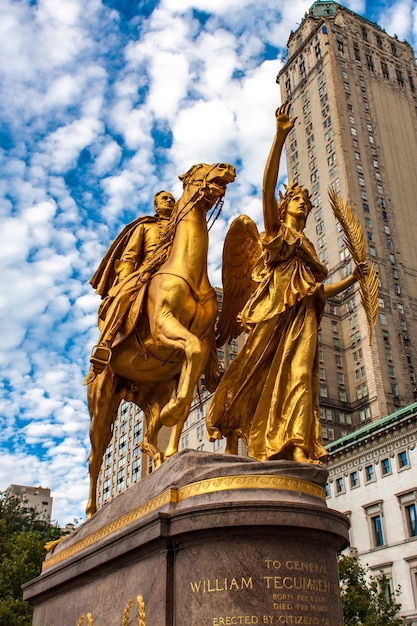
{"x":269,"y":394}
{"x":122,"y":273}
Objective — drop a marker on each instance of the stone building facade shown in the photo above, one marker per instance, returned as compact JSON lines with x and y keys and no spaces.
{"x":373,"y":480}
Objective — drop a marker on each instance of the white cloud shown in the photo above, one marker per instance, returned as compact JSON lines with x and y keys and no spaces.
{"x":108,"y":158}
{"x":397,"y":18}
{"x":169,"y":85}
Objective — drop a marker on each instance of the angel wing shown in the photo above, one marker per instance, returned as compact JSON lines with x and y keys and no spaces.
{"x":242,"y":249}
{"x":355,"y":243}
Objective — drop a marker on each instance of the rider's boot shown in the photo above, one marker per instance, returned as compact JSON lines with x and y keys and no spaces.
{"x":99,"y":359}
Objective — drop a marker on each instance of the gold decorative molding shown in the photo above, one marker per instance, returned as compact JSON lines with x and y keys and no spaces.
{"x":254,"y":481}
{"x":173,"y":496}
{"x":170,"y":495}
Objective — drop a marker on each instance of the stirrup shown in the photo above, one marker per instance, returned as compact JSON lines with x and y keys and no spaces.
{"x":100,"y":355}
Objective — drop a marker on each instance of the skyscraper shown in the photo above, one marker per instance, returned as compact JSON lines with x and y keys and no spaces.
{"x":353,"y":89}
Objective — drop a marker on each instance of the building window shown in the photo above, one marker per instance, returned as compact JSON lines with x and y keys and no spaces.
{"x":400,"y":78}
{"x":403,"y":460}
{"x":185,"y":441}
{"x":407,"y":502}
{"x":384,"y":68}
{"x":340,"y":485}
{"x":354,"y":479}
{"x":361,"y":391}
{"x":411,"y":518}
{"x":360,"y":372}
{"x":106,"y":489}
{"x":122,"y":444}
{"x":365,"y":414}
{"x":385,"y":467}
{"x":120,"y":479}
{"x":136,"y":469}
{"x":377,"y":532}
{"x":217,"y":443}
{"x":200,"y":432}
{"x":370,"y":62}
{"x":357,"y":355}
{"x":369,"y":473}
{"x":137,"y":433}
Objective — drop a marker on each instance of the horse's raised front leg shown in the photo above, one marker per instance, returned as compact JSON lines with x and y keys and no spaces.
{"x":172,"y":309}
{"x":177,"y":409}
{"x":170,"y":333}
{"x":103,"y":402}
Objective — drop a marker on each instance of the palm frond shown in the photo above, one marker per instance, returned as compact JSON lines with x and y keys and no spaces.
{"x":355,"y":242}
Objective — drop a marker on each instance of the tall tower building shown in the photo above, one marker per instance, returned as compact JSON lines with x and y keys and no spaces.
{"x":353,"y":90}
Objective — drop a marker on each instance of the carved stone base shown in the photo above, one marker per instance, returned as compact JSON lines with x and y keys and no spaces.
{"x":207,"y":540}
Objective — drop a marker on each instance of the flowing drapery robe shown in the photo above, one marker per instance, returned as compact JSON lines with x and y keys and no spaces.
{"x":269,"y":394}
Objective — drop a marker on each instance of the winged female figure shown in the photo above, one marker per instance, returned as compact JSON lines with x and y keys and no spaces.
{"x":268,"y":396}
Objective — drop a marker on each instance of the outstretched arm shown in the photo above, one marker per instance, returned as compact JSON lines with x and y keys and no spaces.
{"x":269,"y":204}
{"x":336,"y":288}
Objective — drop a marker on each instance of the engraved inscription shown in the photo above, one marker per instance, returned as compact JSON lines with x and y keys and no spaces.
{"x":230,"y":620}
{"x":222,"y":584}
{"x":300,"y":592}
{"x":299,"y":583}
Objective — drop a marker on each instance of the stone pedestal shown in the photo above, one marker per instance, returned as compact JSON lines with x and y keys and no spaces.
{"x":207,"y":540}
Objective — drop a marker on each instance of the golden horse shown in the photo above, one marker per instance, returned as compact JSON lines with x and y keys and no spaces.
{"x":158,"y":364}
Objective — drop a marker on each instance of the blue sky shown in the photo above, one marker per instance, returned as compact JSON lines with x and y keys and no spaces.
{"x":103,"y":104}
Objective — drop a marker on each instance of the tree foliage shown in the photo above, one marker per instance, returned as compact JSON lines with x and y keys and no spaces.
{"x":367,"y":600}
{"x":22,"y":551}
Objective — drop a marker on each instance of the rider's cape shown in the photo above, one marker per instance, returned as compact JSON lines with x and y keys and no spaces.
{"x":105,"y":276}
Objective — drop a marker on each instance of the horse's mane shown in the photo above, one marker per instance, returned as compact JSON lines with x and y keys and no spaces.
{"x":162,"y":250}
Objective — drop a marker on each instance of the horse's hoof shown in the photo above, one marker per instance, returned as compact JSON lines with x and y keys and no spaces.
{"x":91,"y":509}
{"x":158,"y":459}
{"x":170,"y":452}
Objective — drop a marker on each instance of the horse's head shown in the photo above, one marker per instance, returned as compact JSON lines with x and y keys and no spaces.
{"x":211,"y":180}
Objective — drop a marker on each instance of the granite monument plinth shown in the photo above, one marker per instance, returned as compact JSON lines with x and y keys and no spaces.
{"x":206,"y":540}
